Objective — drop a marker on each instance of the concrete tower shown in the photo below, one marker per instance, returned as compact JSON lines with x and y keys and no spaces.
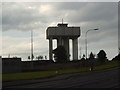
{"x":63,"y":33}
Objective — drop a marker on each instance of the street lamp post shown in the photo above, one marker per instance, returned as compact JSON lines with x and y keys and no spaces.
{"x":31,"y":45}
{"x":86,"y":39}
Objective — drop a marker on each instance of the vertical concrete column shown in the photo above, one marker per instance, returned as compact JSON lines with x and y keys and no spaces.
{"x":75,"y":48}
{"x":50,"y":48}
{"x":59,"y":41}
{"x":62,"y":41}
{"x":66,"y":45}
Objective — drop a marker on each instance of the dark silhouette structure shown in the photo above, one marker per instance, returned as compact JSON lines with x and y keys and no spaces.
{"x":63,"y":33}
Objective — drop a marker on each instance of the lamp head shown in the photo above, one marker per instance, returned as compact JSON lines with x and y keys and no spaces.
{"x":96,"y":29}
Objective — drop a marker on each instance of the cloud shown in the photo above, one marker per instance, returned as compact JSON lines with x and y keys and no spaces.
{"x":22,"y":46}
{"x":19,"y":18}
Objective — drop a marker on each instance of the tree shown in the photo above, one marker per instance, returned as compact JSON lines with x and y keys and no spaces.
{"x":46,"y":57}
{"x":83,"y":57}
{"x":29,"y":57}
{"x":117,"y":57}
{"x":39,"y":57}
{"x":32,"y":57}
{"x":102,"y":56}
{"x":119,"y":49}
{"x":60,"y":54}
{"x":92,"y":56}
{"x":15,"y":57}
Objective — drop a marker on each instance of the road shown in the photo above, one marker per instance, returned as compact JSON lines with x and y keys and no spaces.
{"x":94,"y":79}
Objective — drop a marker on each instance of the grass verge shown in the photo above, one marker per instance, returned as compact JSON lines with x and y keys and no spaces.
{"x":46,"y":74}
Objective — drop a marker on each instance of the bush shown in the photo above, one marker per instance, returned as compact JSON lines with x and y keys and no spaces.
{"x":60,"y":54}
{"x":102,"y":56}
{"x":117,"y":57}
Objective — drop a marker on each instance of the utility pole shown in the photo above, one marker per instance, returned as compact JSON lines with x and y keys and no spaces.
{"x":31,"y":45}
{"x":8,"y":55}
{"x":80,"y":53}
{"x":62,"y":20}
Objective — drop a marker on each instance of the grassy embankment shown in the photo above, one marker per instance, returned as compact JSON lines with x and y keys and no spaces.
{"x":46,"y":74}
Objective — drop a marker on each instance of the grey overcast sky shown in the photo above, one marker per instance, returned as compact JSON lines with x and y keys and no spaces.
{"x":19,"y":18}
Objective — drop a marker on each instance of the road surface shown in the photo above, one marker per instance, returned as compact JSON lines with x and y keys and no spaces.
{"x":93,"y":79}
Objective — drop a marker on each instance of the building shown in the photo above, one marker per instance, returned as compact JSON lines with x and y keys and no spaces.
{"x":62,"y":33}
